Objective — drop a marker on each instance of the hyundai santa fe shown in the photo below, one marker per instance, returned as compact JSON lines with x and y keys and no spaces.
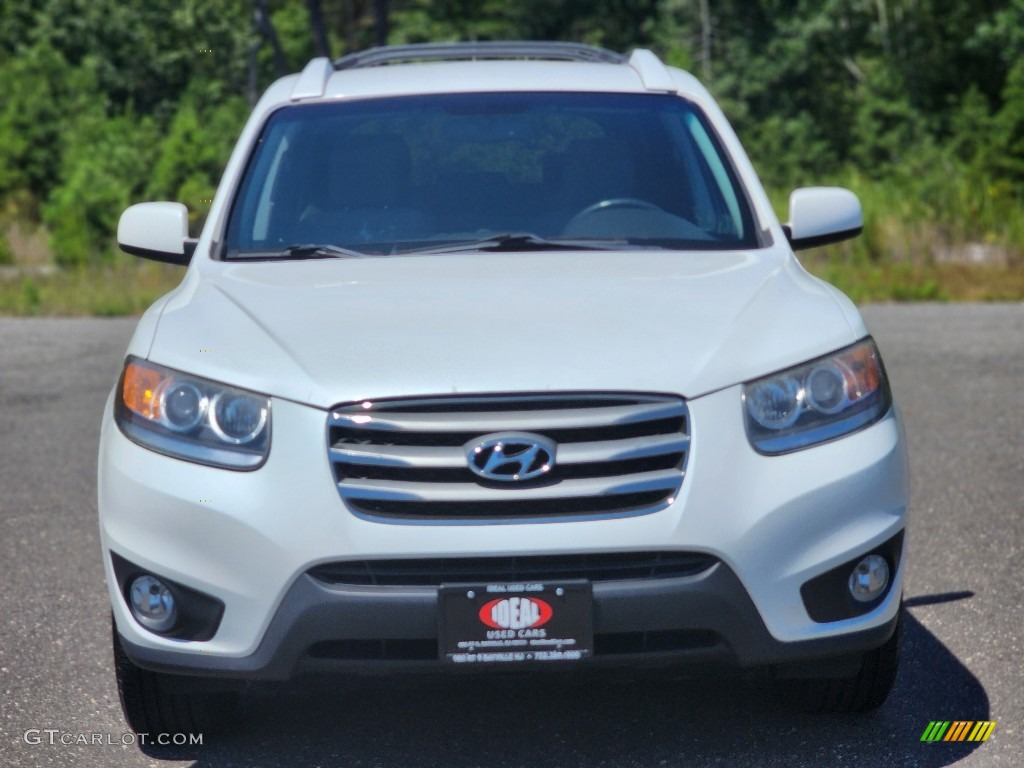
{"x":495,"y":356}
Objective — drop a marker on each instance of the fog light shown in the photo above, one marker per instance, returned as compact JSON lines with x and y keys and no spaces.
{"x":153,"y":604}
{"x":869,"y":578}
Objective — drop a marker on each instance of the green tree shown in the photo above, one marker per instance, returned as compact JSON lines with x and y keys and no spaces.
{"x":1008,"y":129}
{"x":31,"y":122}
{"x":192,"y":155}
{"x":105,"y":161}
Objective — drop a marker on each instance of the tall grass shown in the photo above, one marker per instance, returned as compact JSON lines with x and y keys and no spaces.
{"x":126,"y":287}
{"x":942,"y":235}
{"x":933,"y":232}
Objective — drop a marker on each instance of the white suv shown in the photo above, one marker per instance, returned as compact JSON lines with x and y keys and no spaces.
{"x":495,"y":355}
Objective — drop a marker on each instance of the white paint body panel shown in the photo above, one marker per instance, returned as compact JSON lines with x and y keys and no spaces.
{"x":789,"y":519}
{"x":330,"y":331}
{"x":318,"y":333}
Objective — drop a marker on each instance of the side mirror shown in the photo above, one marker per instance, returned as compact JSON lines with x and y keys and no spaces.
{"x":157,"y":231}
{"x":822,"y":215}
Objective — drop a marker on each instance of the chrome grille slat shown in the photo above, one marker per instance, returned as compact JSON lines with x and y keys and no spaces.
{"x":495,"y":421}
{"x":620,"y":450}
{"x":407,"y":459}
{"x":568,"y":453}
{"x":665,"y":480}
{"x":400,"y":455}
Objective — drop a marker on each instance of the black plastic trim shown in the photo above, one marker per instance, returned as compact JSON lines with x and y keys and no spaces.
{"x":313,"y":614}
{"x":827,"y":597}
{"x":165,"y":257}
{"x":472,"y":51}
{"x":803,"y":243}
{"x":199,"y":613}
{"x":596,"y":567}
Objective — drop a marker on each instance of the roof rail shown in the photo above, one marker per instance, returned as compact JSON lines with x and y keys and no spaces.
{"x":652,"y":71}
{"x":473,"y":51}
{"x":313,"y":80}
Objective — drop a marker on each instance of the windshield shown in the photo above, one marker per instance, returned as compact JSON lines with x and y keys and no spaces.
{"x":421,"y":173}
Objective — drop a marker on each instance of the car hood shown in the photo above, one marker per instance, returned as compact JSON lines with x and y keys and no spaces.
{"x":324,"y":332}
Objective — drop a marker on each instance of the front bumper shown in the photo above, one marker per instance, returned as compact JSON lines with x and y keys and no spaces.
{"x":705,"y":618}
{"x":249,"y":540}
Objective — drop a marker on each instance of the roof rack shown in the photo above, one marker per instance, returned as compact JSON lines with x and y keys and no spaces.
{"x":473,"y":51}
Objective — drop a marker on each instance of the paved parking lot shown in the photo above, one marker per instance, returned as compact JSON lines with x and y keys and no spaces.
{"x":958,"y":372}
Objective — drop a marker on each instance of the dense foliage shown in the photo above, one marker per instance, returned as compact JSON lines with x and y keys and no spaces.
{"x":916,"y":104}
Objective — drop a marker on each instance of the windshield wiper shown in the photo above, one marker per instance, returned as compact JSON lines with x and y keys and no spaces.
{"x":321,"y":251}
{"x":519,"y":241}
{"x":304,"y":251}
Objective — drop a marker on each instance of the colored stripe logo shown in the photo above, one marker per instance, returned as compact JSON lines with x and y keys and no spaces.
{"x":958,"y":730}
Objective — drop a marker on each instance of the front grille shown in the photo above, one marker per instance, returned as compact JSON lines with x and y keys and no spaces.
{"x":605,"y":644}
{"x":407,"y":460}
{"x":601,"y":567}
{"x":375,"y":650}
{"x":663,"y":641}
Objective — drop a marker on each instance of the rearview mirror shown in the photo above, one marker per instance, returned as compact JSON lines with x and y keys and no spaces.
{"x":157,"y":231}
{"x":822,"y":215}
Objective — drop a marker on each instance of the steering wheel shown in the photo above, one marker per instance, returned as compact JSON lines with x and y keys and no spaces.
{"x":618,"y":202}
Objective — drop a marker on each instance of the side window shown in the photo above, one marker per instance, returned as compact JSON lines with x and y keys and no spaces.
{"x":727,"y":219}
{"x":251,"y":219}
{"x":265,"y":202}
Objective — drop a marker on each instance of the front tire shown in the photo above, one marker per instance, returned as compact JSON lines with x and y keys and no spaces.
{"x":864,"y":691}
{"x":155,"y":703}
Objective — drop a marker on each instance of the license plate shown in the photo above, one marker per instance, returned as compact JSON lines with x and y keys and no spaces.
{"x":516,"y":623}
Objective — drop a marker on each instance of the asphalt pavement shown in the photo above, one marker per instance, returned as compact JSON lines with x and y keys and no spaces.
{"x":958,"y":374}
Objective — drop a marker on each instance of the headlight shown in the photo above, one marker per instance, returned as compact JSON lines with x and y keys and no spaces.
{"x":817,"y":401}
{"x":192,"y":418}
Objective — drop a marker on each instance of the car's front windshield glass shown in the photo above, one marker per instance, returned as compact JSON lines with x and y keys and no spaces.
{"x":503,"y":170}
